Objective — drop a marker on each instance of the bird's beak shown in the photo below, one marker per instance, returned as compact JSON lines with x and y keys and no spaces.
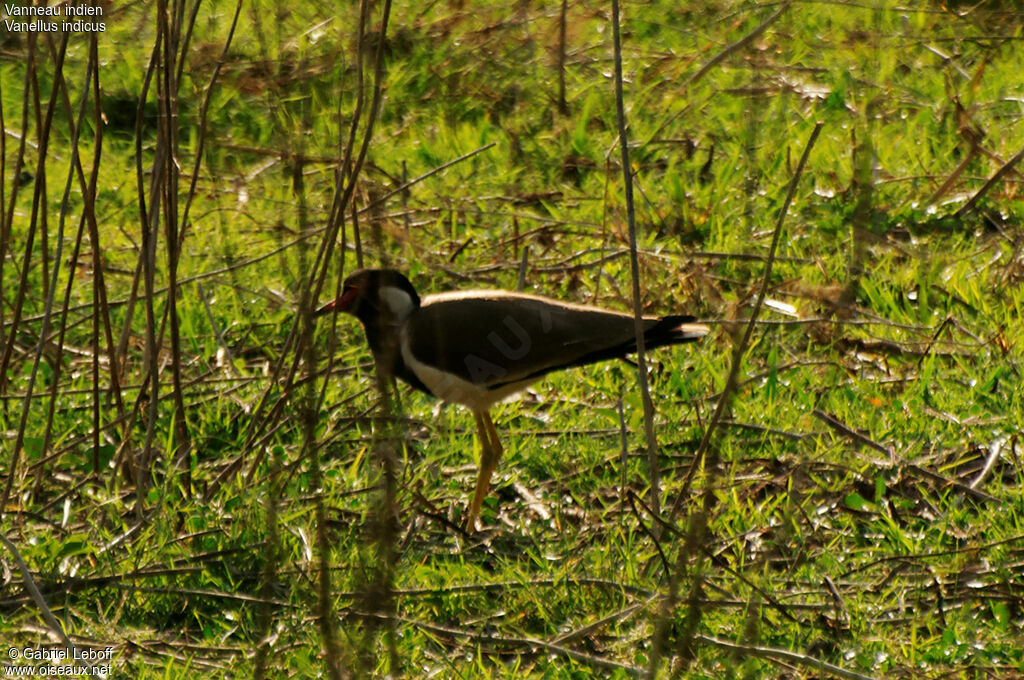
{"x":326,"y":309}
{"x":341,"y":304}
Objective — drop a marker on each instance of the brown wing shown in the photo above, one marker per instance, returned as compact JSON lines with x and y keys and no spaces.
{"x":500,"y":338}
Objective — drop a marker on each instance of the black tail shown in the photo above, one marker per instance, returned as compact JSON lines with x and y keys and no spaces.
{"x":670,"y":330}
{"x":674,"y":330}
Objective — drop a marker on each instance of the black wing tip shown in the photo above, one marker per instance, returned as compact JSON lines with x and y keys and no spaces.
{"x":677,"y":328}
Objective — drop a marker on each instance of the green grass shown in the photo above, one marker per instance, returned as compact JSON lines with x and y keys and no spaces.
{"x":890,"y":563}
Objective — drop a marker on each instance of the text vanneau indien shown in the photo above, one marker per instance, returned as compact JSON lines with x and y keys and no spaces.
{"x":14,"y":10}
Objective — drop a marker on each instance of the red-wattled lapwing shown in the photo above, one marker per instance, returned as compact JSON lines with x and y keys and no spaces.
{"x":478,"y":347}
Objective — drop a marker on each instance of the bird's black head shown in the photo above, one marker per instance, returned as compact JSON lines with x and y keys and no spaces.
{"x":375,"y":295}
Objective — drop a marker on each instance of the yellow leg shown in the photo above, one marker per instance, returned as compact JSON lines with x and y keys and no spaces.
{"x":490,"y":454}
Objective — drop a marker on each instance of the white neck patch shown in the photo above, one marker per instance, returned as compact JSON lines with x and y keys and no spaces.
{"x":396,"y":301}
